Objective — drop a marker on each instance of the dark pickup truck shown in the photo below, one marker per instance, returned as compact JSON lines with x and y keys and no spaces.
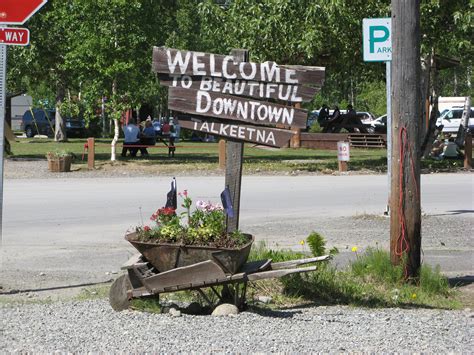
{"x":41,"y":121}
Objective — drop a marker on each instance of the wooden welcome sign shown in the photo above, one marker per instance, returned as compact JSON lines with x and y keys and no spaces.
{"x":237,"y":100}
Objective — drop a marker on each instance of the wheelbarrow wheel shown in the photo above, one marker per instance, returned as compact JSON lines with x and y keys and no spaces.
{"x":118,"y":297}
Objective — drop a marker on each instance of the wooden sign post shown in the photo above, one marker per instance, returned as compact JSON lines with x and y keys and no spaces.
{"x":238,"y":100}
{"x":233,"y":167}
{"x":343,"y":155}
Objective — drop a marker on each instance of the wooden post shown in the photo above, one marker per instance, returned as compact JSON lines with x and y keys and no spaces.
{"x":343,"y":155}
{"x":90,"y":152}
{"x":342,"y":166}
{"x":405,"y":211}
{"x":468,"y":150}
{"x":222,"y":154}
{"x":295,"y":141}
{"x":234,"y":154}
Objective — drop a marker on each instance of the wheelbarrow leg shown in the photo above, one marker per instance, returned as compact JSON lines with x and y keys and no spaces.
{"x":204,"y":296}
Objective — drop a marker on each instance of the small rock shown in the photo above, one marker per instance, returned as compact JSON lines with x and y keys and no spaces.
{"x":225,"y":310}
{"x":42,"y":274}
{"x":107,"y":273}
{"x":114,"y":272}
{"x":166,"y":308}
{"x":264,"y":299}
{"x":175,"y":312}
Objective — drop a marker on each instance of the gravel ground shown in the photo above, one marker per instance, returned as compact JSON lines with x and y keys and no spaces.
{"x":92,"y":326}
{"x":75,"y":327}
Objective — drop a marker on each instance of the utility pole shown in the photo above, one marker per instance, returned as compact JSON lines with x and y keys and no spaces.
{"x":405,"y":210}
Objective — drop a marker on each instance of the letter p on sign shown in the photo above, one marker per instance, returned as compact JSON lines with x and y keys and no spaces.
{"x":376,"y":39}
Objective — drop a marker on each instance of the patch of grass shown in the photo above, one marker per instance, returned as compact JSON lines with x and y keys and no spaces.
{"x":205,"y":156}
{"x":92,"y":293}
{"x":260,"y":251}
{"x":445,"y":165}
{"x":370,"y":281}
{"x":146,"y":304}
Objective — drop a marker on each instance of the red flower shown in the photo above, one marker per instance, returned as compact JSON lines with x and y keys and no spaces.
{"x":167,"y":211}
{"x":164,"y":211}
{"x":146,"y":229}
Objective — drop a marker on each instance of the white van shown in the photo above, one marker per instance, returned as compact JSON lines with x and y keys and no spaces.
{"x":451,"y":119}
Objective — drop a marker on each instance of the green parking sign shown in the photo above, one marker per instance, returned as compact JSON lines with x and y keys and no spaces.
{"x":376,"y":39}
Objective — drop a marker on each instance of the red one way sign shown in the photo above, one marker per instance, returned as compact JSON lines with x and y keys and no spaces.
{"x":14,"y":36}
{"x":17,"y":12}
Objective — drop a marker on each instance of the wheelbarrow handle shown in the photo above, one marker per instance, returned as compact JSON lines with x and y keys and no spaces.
{"x":294,"y":263}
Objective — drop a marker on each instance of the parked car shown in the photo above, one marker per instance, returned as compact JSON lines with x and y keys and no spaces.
{"x":312,"y":117}
{"x":365,"y":117}
{"x":379,"y":125}
{"x":451,"y":119}
{"x":41,"y":121}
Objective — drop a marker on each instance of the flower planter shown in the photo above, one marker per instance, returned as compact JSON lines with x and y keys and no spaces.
{"x":165,"y":257}
{"x":59,"y":164}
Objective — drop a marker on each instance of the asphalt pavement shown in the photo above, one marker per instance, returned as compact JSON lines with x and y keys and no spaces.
{"x":66,"y":231}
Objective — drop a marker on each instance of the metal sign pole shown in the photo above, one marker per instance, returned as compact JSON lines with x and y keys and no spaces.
{"x":388,"y":74}
{"x":3,"y":71}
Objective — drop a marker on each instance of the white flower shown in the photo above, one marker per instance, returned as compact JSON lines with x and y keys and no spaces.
{"x":201,"y":205}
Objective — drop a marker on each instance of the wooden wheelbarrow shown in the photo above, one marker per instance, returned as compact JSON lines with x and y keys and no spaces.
{"x":143,"y":280}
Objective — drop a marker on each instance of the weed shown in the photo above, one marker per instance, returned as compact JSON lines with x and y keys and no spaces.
{"x":316,"y":243}
{"x":146,"y":304}
{"x":261,"y":252}
{"x":370,"y":281}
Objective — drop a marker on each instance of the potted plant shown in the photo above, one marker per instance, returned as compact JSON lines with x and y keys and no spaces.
{"x":181,"y":239}
{"x":59,"y":161}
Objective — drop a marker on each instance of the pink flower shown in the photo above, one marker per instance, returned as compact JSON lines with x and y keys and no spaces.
{"x":185,"y":193}
{"x":146,"y":229}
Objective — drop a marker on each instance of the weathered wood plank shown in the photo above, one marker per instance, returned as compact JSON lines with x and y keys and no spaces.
{"x":235,"y":108}
{"x":258,"y":90}
{"x":187,"y":275}
{"x":254,"y":134}
{"x":299,"y":262}
{"x":278,"y":273}
{"x":173,"y":61}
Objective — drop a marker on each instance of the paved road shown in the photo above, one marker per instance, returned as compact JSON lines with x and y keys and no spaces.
{"x":104,"y":208}
{"x":76,"y":225}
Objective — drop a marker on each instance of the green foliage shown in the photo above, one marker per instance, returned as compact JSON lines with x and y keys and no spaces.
{"x":95,"y":49}
{"x":315,"y":128}
{"x":149,"y":304}
{"x":260,"y":251}
{"x":369,"y":281}
{"x":433,"y":282}
{"x":59,"y":153}
{"x":316,"y":243}
{"x":69,"y":108}
{"x":373,"y":98}
{"x":376,"y":263}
